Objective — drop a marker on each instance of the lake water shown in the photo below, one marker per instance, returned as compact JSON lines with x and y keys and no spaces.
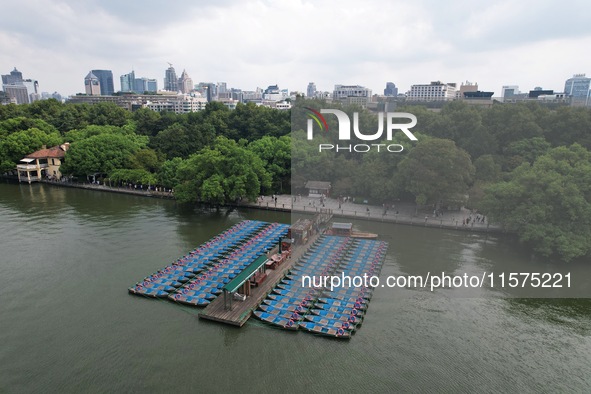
{"x":67,"y":323}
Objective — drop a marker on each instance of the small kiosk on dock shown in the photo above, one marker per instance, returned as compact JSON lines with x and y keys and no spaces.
{"x":282,"y":254}
{"x":253,"y":275}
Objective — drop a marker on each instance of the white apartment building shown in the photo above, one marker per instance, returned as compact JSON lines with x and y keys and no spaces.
{"x":345,"y":91}
{"x":434,"y":91}
{"x":180,"y":104}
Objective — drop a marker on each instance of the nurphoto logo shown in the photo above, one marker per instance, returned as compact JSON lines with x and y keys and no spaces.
{"x":344,"y":125}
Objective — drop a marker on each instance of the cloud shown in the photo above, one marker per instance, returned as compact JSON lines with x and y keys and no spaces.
{"x":258,"y":43}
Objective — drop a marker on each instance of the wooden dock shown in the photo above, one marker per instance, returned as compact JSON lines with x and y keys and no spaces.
{"x":242,"y":310}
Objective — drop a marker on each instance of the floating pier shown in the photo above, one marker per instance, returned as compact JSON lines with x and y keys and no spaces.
{"x":335,"y":312}
{"x":198,"y":277}
{"x":240,"y":311}
{"x":254,"y":268}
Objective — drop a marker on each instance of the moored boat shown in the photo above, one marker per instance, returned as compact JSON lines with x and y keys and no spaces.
{"x":275,"y":320}
{"x":329,"y":332}
{"x":338,"y":316}
{"x":329,"y":323}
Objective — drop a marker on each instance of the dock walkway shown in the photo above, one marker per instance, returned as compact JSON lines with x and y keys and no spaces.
{"x":241,"y":311}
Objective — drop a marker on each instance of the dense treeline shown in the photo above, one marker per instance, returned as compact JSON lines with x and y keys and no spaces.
{"x":215,"y":155}
{"x":524,"y":165}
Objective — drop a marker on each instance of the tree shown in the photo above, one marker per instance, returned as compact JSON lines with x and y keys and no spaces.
{"x":568,"y":125}
{"x":487,"y":170}
{"x":377,"y":175}
{"x":89,"y":131}
{"x":307,"y":163}
{"x":173,"y":142}
{"x":276,"y":156}
{"x":548,"y":204}
{"x":108,"y":114}
{"x":22,"y":123}
{"x":168,"y":174}
{"x":146,"y":159}
{"x":21,"y":143}
{"x":436,"y":170}
{"x":220,"y":174}
{"x":509,"y":123}
{"x":102,"y":153}
{"x":147,"y":121}
{"x":137,"y":176}
{"x":527,"y":150}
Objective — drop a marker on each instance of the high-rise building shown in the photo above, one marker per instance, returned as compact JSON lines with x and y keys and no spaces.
{"x":14,"y":77}
{"x":467,"y":87}
{"x":344,"y":91}
{"x":171,"y":80}
{"x":17,"y":92}
{"x":21,"y":90}
{"x":577,"y":88}
{"x":273,"y":93}
{"x":435,"y":91}
{"x":32,"y":89}
{"x":152,"y":85}
{"x":208,"y":90}
{"x":185,"y":83}
{"x":253,"y":96}
{"x":128,"y":82}
{"x":391,"y":89}
{"x":510,"y":92}
{"x":105,"y":78}
{"x":222,"y":87}
{"x":311,"y":91}
{"x":92,"y":85}
{"x":236,"y":94}
{"x":5,"y":98}
{"x":143,"y":84}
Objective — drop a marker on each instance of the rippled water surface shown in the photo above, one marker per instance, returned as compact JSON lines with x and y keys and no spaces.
{"x":67,"y":323}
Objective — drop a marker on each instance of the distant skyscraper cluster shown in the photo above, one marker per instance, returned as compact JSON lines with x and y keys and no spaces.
{"x":20,"y":90}
{"x":100,"y":83}
{"x":578,"y":88}
{"x":99,"y":87}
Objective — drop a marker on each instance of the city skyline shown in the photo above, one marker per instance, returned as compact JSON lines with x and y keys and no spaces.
{"x":370,"y":43}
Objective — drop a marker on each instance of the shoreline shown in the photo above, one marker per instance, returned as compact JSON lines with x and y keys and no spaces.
{"x":303,"y":205}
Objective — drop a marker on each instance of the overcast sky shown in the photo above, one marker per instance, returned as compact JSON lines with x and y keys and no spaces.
{"x":251,"y":44}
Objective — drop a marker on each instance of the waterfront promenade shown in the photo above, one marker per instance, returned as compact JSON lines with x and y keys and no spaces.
{"x":113,"y":189}
{"x":402,"y":213}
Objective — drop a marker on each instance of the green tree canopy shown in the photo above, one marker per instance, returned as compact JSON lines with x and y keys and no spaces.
{"x":168,"y":174}
{"x":102,"y":153}
{"x":276,"y":156}
{"x":146,"y":159}
{"x":221,"y":173}
{"x":548,"y":203}
{"x":436,"y":170}
{"x":137,"y":176}
{"x":21,"y":143}
{"x":22,"y":123}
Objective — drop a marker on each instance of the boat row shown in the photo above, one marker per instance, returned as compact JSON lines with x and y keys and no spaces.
{"x":198,"y":277}
{"x":299,"y":303}
{"x":289,"y":302}
{"x":205,"y":287}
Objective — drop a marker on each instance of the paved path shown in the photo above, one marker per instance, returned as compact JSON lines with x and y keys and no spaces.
{"x":402,"y":213}
{"x":113,"y":189}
